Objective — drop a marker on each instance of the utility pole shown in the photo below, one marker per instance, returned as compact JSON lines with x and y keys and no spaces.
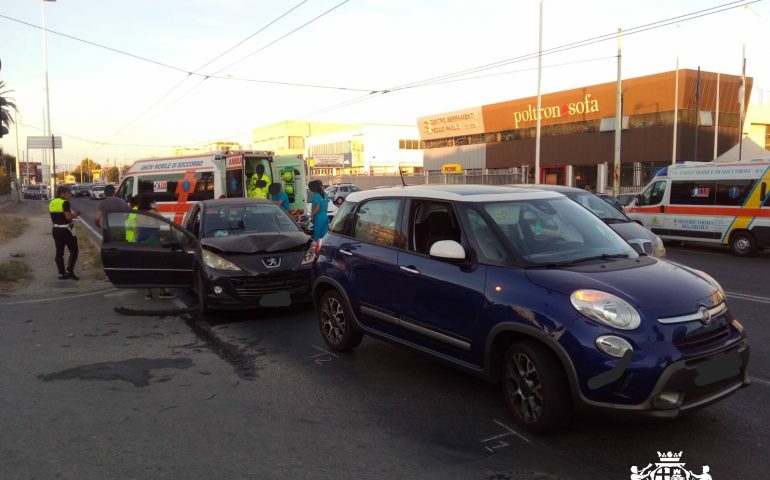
{"x":618,"y":126}
{"x":539,"y":96}
{"x":697,"y":115}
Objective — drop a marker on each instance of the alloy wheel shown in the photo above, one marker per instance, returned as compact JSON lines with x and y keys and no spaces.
{"x":526,"y":389}
{"x":333,"y":320}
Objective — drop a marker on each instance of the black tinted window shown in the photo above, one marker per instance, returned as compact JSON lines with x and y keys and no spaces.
{"x":168,"y":187}
{"x":693,"y":192}
{"x":733,"y":192}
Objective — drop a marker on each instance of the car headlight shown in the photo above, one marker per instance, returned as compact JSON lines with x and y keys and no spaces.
{"x":660,"y":249}
{"x":606,"y":309}
{"x":212,"y":260}
{"x":310,"y":254}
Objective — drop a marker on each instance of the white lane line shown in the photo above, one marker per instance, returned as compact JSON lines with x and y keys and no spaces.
{"x":92,"y":229}
{"x":749,"y":298}
{"x":56,"y":299}
{"x":761,"y":381}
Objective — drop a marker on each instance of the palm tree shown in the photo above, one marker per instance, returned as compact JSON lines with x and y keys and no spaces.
{"x":5,"y":109}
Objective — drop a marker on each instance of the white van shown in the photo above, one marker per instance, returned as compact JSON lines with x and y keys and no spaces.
{"x":178,"y":182}
{"x":709,"y":202}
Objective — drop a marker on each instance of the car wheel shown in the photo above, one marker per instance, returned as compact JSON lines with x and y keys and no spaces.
{"x":743,"y":244}
{"x":336,"y":322}
{"x":338,"y":201}
{"x":203,"y":302}
{"x":535,"y":388}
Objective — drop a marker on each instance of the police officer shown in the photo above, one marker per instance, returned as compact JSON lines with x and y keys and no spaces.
{"x":259,"y":183}
{"x":62,"y":231}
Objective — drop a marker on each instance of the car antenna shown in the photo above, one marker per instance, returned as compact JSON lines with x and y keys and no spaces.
{"x":403,"y":183}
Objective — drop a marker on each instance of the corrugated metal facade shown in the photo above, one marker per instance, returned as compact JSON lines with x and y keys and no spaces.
{"x":469,"y":156}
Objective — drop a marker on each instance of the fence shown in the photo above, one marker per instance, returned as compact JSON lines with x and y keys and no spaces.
{"x":367,"y":182}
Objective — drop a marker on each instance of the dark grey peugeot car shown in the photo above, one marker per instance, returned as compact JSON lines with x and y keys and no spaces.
{"x":235,"y":253}
{"x":631,"y":231}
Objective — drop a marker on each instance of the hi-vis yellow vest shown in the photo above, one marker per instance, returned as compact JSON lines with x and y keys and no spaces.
{"x":131,"y":227}
{"x":254,"y":190}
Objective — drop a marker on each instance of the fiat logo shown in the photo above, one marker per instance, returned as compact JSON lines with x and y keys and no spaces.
{"x":705,"y":315}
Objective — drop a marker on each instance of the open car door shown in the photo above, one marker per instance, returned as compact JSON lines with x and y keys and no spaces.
{"x":142,"y":249}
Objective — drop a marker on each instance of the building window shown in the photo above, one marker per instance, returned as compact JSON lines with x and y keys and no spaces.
{"x":409,"y":144}
{"x":296,"y":143}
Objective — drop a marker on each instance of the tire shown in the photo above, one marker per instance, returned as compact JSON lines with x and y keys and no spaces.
{"x":743,"y":244}
{"x":338,"y":201}
{"x":535,"y":388}
{"x":203,"y":302}
{"x":336,"y":322}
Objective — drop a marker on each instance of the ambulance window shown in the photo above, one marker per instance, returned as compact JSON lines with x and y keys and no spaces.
{"x":204,"y":187}
{"x":693,"y":192}
{"x":126,"y":189}
{"x":654,"y":194}
{"x":733,"y":192}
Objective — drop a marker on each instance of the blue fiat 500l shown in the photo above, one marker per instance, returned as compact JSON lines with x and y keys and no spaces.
{"x":529,"y":289}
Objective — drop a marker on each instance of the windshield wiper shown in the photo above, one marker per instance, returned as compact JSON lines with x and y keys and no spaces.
{"x":570,"y":263}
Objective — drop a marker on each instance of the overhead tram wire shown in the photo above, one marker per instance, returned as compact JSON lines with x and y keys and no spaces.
{"x":610,"y":36}
{"x":585,"y":42}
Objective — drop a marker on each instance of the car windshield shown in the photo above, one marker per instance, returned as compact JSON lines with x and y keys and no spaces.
{"x":552,"y":231}
{"x":230,"y":220}
{"x":599,"y":207}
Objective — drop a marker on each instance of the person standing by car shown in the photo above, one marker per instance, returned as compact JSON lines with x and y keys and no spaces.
{"x":111,"y":203}
{"x":259,"y":183}
{"x":278,"y":196}
{"x":146,"y":231}
{"x":318,"y":210}
{"x":62,"y":232}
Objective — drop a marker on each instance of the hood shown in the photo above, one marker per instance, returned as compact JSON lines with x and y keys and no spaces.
{"x":660,"y":284}
{"x":633,"y":231}
{"x":257,"y":242}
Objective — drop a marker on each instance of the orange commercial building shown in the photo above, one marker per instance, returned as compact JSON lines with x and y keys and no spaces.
{"x":577,"y":142}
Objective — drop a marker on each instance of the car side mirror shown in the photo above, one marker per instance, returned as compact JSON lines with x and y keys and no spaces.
{"x":448,"y":250}
{"x":637,"y":247}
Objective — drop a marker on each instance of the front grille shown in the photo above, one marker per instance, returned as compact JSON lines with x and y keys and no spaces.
{"x":695,"y":393}
{"x":257,"y":286}
{"x":700,"y":339}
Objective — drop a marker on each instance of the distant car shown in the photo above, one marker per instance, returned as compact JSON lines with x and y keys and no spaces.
{"x":631,"y":231}
{"x":33,"y":192}
{"x":235,"y":253}
{"x":97,"y":192}
{"x":81,"y":190}
{"x":611,"y":200}
{"x":339,"y":191}
{"x":625,"y":199}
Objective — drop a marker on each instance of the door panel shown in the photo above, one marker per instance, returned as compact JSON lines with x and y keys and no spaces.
{"x":141,"y":249}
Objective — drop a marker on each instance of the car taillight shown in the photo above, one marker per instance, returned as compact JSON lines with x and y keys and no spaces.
{"x":317,"y":246}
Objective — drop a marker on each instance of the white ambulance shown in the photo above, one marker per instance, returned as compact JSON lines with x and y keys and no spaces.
{"x":709,"y":202}
{"x":176,"y":183}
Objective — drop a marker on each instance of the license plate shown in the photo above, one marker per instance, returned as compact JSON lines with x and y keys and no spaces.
{"x":719,"y":368}
{"x":277,"y":299}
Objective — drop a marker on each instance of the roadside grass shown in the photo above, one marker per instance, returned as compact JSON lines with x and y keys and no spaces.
{"x":13,"y":226}
{"x":13,"y":272}
{"x":90,"y":255}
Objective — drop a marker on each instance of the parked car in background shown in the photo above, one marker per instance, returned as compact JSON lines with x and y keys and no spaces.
{"x":339,"y":191}
{"x":33,"y":192}
{"x":81,"y":190}
{"x":235,"y":253}
{"x":612,"y":200}
{"x":525,"y":287}
{"x":626,"y":198}
{"x":97,"y":192}
{"x":631,"y":231}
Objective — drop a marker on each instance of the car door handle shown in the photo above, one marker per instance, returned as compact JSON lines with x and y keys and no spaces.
{"x":346,"y":252}
{"x":410,"y":269}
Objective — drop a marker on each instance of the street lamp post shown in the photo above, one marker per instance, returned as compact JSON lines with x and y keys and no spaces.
{"x":47,"y":99}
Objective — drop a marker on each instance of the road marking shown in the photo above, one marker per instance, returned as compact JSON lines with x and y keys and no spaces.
{"x":747,"y":297}
{"x":761,"y":381}
{"x":498,"y":443}
{"x":99,"y":235}
{"x":56,"y":299}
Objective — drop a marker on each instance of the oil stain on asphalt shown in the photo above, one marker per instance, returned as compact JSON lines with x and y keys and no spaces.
{"x":136,"y":371}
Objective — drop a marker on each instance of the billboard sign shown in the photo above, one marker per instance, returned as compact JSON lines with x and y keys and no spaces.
{"x":43,"y":142}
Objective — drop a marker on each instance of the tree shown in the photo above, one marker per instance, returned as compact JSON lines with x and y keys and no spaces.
{"x":6,"y":105}
{"x":86,"y":166}
{"x":112,"y":174}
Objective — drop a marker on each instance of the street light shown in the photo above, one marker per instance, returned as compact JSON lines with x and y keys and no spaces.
{"x":47,"y":99}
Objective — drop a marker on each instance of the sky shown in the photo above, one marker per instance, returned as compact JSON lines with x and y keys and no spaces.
{"x":134,"y":79}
